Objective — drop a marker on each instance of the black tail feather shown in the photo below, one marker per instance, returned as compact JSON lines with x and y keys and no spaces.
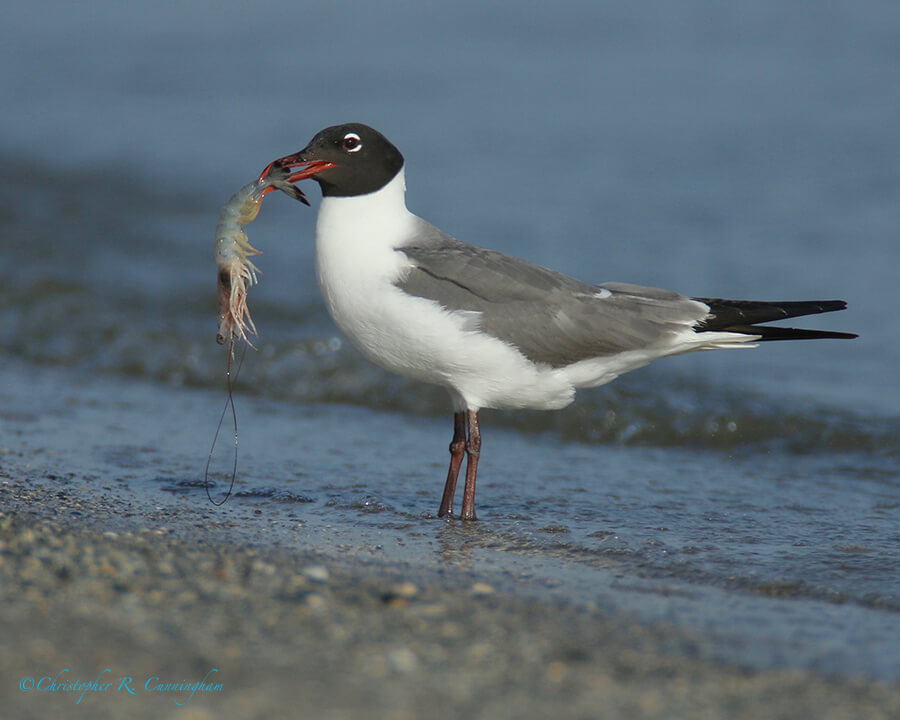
{"x":745,"y":316}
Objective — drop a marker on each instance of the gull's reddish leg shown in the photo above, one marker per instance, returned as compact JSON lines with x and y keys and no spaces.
{"x":473,"y":450}
{"x":457,"y":447}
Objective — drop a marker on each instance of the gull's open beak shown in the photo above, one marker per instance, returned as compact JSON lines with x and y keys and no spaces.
{"x":310,"y":167}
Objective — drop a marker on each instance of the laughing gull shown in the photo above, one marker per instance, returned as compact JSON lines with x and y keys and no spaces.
{"x":496,"y":331}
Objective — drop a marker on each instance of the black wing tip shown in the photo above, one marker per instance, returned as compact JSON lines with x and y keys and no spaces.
{"x":767,"y":333}
{"x":746,"y":317}
{"x":831,"y":305}
{"x":728,"y":313}
{"x":792,"y":308}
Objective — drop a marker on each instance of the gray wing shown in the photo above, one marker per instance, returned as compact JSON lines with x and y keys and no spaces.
{"x":550,"y":317}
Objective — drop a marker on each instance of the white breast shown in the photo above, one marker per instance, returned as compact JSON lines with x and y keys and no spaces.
{"x":357,"y":266}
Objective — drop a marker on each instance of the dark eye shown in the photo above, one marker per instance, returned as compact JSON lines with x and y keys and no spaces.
{"x":351,"y":142}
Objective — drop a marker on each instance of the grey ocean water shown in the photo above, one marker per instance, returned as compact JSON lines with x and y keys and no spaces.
{"x":749,"y":497}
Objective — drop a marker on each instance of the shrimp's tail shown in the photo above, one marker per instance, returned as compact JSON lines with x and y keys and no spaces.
{"x":234,"y":315}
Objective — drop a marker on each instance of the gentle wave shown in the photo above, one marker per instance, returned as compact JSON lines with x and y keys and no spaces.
{"x":654,"y":407}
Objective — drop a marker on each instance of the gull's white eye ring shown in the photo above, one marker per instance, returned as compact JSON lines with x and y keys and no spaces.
{"x":351,"y":142}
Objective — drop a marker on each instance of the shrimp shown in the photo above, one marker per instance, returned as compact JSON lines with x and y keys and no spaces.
{"x":237,"y":274}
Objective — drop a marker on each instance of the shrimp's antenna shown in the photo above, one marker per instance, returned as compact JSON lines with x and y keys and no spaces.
{"x":229,"y":402}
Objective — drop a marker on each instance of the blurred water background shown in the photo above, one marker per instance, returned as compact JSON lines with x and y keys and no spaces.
{"x":745,"y":151}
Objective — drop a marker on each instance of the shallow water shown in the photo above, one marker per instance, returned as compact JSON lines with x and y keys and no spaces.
{"x":751,"y":496}
{"x":766,"y":562}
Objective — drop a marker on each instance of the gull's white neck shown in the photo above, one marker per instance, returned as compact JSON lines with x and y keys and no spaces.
{"x":356,"y":260}
{"x":378,"y":219}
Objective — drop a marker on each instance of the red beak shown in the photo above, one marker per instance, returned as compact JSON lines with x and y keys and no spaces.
{"x":310,"y":167}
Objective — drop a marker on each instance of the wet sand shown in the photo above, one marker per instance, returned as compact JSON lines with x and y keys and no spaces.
{"x":288,"y":633}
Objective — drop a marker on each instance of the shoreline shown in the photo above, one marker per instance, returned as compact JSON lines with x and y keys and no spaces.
{"x":336,"y":636}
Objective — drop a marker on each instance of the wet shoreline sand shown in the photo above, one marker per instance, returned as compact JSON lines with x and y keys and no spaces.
{"x":301,"y":633}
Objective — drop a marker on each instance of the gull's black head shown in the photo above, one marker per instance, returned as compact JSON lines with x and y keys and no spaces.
{"x":347,"y":160}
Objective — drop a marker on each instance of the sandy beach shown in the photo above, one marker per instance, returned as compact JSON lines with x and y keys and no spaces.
{"x":146,"y":613}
